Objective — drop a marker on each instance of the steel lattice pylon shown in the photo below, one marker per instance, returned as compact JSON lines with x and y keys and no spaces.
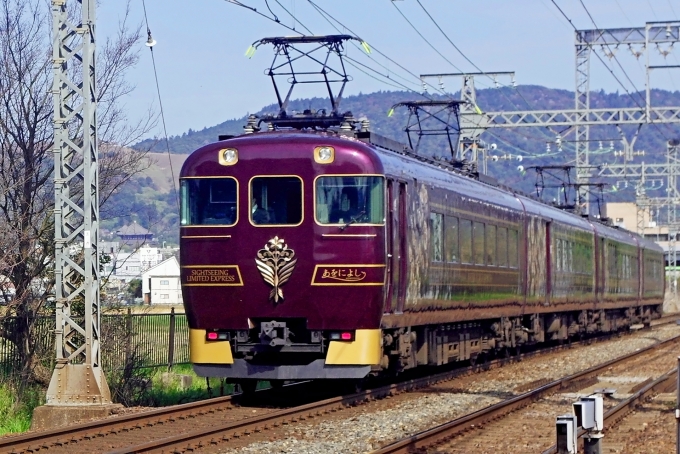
{"x":78,"y":378}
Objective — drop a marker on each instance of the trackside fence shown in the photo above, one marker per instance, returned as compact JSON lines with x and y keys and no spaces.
{"x":145,"y":340}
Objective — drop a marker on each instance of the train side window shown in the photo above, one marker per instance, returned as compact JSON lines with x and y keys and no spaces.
{"x":465,"y":239}
{"x":451,"y":236}
{"x":513,"y":257}
{"x":478,"y":242}
{"x":558,"y":254}
{"x":209,"y":201}
{"x":570,"y":256}
{"x":502,"y":246}
{"x":491,"y":245}
{"x":275,"y":200}
{"x":436,"y":221}
{"x":342,"y":199}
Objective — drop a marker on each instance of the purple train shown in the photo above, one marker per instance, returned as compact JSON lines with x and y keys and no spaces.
{"x":321,"y":255}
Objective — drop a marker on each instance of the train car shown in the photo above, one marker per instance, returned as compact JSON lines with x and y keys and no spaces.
{"x":335,"y":255}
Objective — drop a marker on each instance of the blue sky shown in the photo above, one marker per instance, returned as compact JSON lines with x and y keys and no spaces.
{"x":205,"y":78}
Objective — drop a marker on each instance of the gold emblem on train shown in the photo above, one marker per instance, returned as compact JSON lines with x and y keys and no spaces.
{"x":276,"y":263}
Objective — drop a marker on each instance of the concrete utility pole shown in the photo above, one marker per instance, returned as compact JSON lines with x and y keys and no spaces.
{"x":78,"y":387}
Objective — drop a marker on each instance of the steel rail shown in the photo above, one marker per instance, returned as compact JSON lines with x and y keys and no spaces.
{"x":44,"y":439}
{"x":110,"y":425}
{"x":479,"y":418}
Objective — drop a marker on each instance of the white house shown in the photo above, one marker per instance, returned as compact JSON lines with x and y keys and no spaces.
{"x":161,"y":283}
{"x":130,"y":266}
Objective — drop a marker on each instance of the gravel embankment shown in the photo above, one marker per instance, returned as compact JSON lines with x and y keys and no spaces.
{"x":372,"y":425}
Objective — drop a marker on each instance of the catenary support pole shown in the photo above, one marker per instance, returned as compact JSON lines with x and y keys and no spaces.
{"x":78,"y":388}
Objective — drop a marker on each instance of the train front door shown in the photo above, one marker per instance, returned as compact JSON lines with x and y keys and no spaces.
{"x":396,"y":247}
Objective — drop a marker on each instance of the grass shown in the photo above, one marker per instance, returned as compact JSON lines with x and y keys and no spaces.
{"x":16,"y":418}
{"x":164,"y":391}
{"x":168,"y":390}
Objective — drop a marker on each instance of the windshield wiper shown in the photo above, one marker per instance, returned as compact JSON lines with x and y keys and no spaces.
{"x":352,"y":220}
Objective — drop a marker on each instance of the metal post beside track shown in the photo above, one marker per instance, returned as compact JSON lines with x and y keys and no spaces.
{"x":677,"y":412}
{"x":78,"y":387}
{"x":171,"y":340}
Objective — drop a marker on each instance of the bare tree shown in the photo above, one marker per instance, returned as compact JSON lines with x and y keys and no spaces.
{"x":26,"y":160}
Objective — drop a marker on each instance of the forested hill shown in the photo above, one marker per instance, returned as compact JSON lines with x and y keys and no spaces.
{"x":529,"y":141}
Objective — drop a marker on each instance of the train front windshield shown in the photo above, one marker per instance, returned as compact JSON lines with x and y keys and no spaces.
{"x":209,"y":201}
{"x":357,"y":199}
{"x":277,"y":200}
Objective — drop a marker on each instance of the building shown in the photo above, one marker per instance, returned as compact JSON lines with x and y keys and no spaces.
{"x":624,"y":215}
{"x":134,"y":234}
{"x":161,"y":283}
{"x":131,"y":265}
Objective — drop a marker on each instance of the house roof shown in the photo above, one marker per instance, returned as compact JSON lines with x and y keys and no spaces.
{"x":133,"y":229}
{"x":162,"y":264}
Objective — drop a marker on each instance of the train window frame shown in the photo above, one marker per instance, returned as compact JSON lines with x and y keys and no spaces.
{"x":437,"y":230}
{"x":185,"y":207}
{"x":491,"y":244}
{"x":558,"y":254}
{"x":478,"y":250}
{"x":250,"y":200}
{"x":350,"y":175}
{"x":502,"y":241}
{"x":451,"y":239}
{"x":465,"y":240}
{"x":513,"y":258}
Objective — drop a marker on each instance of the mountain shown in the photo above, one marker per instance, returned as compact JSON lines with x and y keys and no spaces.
{"x":155,"y":205}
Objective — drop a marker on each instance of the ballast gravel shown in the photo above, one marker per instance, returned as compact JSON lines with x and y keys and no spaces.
{"x":373,"y":428}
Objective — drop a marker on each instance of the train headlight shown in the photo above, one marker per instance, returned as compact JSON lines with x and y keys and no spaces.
{"x":228,"y":156}
{"x":324,"y":155}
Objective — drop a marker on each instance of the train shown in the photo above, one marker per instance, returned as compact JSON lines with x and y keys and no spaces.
{"x":320,"y":253}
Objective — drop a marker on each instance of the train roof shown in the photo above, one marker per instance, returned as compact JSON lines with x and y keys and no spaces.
{"x":485,"y":191}
{"x":399,"y":159}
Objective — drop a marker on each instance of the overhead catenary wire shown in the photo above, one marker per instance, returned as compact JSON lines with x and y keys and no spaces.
{"x":353,"y":63}
{"x":330,"y":17}
{"x":426,"y":40}
{"x":466,"y":58}
{"x":160,"y":103}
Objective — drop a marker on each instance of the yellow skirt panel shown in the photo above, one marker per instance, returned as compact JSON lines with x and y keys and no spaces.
{"x":202,"y":351}
{"x":364,"y":349}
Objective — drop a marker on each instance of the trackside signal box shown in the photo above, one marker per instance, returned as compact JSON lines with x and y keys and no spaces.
{"x":566,"y":434}
{"x":589,"y":413}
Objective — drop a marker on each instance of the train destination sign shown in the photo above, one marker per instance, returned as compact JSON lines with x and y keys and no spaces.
{"x":348,"y":275}
{"x":218,"y":275}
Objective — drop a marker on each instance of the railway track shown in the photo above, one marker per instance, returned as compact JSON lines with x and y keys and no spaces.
{"x":493,"y":429}
{"x":212,"y":422}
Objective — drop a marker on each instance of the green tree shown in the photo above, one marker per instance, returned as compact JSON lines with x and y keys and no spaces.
{"x":134,"y":288}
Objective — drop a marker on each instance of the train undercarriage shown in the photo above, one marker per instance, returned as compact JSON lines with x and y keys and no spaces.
{"x":406,"y":348}
{"x":280,"y":350}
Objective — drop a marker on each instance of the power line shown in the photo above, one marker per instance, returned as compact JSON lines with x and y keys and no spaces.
{"x":329,"y":17}
{"x":151,"y":43}
{"x":354,"y":63}
{"x":428,"y":42}
{"x":465,"y":56}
